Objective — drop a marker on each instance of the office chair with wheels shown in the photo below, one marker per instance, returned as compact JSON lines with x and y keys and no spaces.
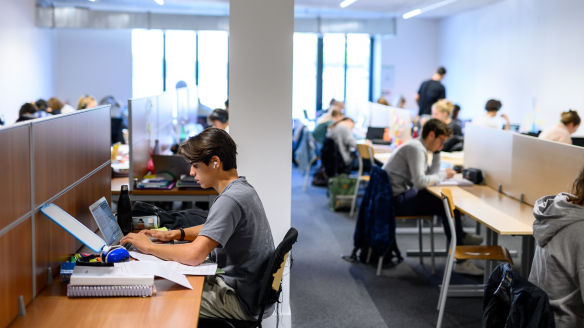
{"x":270,"y":289}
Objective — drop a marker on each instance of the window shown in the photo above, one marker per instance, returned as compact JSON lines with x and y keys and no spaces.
{"x":358,"y":61}
{"x":213,"y":63}
{"x":304,"y":74}
{"x":181,"y":56}
{"x":147,"y":56}
{"x":333,"y":73}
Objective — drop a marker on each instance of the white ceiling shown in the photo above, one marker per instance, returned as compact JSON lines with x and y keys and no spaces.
{"x":310,"y":7}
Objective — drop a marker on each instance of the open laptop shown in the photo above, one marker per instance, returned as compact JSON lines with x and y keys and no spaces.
{"x":173,"y":164}
{"x":376,"y":136}
{"x":109,"y":227}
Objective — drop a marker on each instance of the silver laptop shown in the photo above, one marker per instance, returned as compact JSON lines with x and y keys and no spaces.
{"x":173,"y":164}
{"x":109,"y":227}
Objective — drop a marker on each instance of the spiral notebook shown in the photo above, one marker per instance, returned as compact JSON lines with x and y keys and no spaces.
{"x":111,"y":291}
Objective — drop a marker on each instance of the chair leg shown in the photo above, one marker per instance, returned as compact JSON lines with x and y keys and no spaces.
{"x":355,"y":196}
{"x":444,"y":291}
{"x":368,"y":255}
{"x":420,"y":241}
{"x":432,"y":246}
{"x":306,"y":179}
{"x":379,"y":264}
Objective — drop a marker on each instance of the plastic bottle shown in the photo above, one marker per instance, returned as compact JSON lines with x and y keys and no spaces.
{"x":125,"y":211}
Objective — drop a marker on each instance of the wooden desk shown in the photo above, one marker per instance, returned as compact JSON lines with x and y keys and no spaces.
{"x":455,"y":158}
{"x":174,"y":194}
{"x":502,"y":215}
{"x":173,"y":306}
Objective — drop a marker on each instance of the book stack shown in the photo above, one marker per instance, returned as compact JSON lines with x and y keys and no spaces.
{"x":155,"y":182}
{"x":188,"y":182}
{"x":109,"y":281}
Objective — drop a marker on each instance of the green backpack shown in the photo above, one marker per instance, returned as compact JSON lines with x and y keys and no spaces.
{"x":341,"y":189}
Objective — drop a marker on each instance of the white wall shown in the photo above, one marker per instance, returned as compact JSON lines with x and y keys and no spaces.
{"x":260,"y":90}
{"x":26,"y":58}
{"x":94,"y":62}
{"x":515,"y":51}
{"x":413,"y":53}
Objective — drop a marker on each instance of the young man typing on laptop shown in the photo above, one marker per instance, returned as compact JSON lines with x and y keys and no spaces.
{"x":237,"y":231}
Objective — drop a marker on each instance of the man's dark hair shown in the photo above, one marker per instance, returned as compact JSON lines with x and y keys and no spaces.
{"x":220,"y":115}
{"x":440,"y":129}
{"x":28,"y":108}
{"x":455,"y":112}
{"x":441,"y":71}
{"x":227,"y":103}
{"x":211,"y":142}
{"x":493,"y":105}
{"x":42,"y":104}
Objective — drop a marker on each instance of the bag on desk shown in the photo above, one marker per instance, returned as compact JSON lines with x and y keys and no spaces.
{"x":341,"y":189}
{"x":171,"y":219}
{"x":474,"y":175}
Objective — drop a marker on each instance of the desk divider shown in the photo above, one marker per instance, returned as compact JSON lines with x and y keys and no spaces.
{"x":62,"y":159}
{"x":150,"y":119}
{"x":527,"y":168}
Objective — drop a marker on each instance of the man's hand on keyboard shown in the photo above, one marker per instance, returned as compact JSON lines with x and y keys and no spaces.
{"x":162,"y":235}
{"x":140,"y":241}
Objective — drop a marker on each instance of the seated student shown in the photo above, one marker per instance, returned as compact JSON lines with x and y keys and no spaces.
{"x":489,"y":119}
{"x":86,"y":102}
{"x":341,"y":133}
{"x":236,"y":232}
{"x":57,"y":105}
{"x":558,"y":264}
{"x":410,"y":175}
{"x":319,"y":132}
{"x":442,"y":110}
{"x":561,"y":132}
{"x":28,"y":111}
{"x":382,"y":101}
{"x":219,"y":118}
{"x":43,"y":107}
{"x":227,"y":105}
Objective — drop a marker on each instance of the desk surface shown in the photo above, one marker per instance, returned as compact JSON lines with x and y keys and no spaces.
{"x":455,"y":158}
{"x":501,"y":213}
{"x":118,"y":182}
{"x":173,"y":306}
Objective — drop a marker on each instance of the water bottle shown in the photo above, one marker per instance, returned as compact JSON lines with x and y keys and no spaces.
{"x":125,"y":211}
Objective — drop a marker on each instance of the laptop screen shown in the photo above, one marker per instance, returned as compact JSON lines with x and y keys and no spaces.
{"x":106,"y":222}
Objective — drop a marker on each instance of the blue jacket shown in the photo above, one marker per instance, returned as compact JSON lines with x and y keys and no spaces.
{"x":376,"y":222}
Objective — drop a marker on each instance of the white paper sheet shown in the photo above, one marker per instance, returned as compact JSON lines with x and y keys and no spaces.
{"x":203,"y":269}
{"x":455,"y":182}
{"x":154,"y":268}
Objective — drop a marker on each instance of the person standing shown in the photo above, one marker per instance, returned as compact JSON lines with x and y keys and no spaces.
{"x":430,"y":92}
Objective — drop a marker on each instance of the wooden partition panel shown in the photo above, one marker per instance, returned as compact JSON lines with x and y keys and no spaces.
{"x":15,"y":270}
{"x":491,"y":151}
{"x":68,"y":148}
{"x":14,"y":174}
{"x":53,"y":243}
{"x":542,"y":167}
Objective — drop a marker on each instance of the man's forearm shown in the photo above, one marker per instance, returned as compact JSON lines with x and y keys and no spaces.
{"x":191,"y":233}
{"x":182,"y":253}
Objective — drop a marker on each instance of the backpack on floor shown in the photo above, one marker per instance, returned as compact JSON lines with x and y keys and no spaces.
{"x":340,"y":190}
{"x":320,"y":179}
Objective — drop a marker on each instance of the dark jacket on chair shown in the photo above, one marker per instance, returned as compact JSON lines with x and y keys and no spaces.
{"x":512,"y":301}
{"x":376,"y":222}
{"x":331,"y":158}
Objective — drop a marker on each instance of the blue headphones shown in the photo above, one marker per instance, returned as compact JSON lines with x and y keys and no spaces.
{"x":115,"y":254}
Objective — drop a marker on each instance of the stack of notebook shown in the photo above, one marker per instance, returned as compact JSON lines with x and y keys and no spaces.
{"x":156,"y":182}
{"x":108,"y":281}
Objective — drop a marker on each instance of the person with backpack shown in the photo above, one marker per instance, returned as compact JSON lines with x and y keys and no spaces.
{"x":236,"y":234}
{"x":410,"y":174}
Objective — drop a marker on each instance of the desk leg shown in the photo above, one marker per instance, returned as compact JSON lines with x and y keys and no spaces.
{"x":492,"y":239}
{"x":527,"y":253}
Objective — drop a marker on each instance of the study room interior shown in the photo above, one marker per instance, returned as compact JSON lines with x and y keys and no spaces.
{"x":307,"y":163}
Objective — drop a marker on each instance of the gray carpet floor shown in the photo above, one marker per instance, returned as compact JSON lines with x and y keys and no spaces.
{"x":327,"y":291}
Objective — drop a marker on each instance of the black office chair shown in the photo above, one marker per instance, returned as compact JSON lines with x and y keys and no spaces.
{"x":270,"y":288}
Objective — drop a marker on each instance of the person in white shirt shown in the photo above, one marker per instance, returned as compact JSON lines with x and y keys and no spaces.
{"x":561,"y":132}
{"x":490,"y":119}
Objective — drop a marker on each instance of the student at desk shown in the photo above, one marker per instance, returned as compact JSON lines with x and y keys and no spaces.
{"x":237,"y":233}
{"x":558,"y":263}
{"x":561,"y":132}
{"x":410,"y":174}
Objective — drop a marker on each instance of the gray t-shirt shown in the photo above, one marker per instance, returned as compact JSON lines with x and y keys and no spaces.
{"x":238,"y":222}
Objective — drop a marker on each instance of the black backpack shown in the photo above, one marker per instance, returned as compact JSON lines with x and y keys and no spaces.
{"x":171,"y":219}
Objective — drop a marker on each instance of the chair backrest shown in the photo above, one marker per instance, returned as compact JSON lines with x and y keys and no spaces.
{"x":365,"y":151}
{"x":449,"y":209}
{"x":271,"y":285}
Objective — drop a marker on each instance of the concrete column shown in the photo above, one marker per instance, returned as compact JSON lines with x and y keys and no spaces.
{"x":260,"y":108}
